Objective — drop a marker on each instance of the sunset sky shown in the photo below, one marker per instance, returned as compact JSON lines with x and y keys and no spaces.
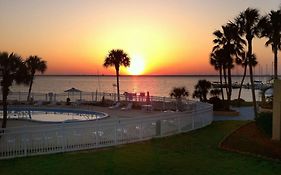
{"x":161,"y":36}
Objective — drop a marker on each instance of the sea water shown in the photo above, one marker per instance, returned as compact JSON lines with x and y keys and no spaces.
{"x":155,"y":85}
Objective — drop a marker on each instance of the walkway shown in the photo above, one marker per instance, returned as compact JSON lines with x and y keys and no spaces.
{"x":246,"y":113}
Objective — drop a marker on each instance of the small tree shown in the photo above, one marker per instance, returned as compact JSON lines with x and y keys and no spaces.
{"x":201,"y":90}
{"x":179,"y":93}
{"x":215,"y":92}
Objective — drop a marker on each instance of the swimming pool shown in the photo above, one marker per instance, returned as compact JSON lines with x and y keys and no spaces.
{"x":54,"y":114}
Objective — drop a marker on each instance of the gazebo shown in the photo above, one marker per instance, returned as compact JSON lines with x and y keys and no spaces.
{"x":73,"y":91}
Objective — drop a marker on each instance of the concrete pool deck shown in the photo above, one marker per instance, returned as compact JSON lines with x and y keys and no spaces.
{"x":246,"y":113}
{"x":113,"y":114}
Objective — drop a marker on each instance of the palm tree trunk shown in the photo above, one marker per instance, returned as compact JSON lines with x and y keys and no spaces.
{"x":117,"y":79}
{"x":229,"y":86}
{"x":222,"y":96}
{"x":253,"y":91}
{"x":226,"y":88}
{"x":275,"y":64}
{"x":5,"y":106}
{"x":30,"y":86}
{"x":249,"y":55}
{"x":242,"y":81}
{"x":225,"y":82}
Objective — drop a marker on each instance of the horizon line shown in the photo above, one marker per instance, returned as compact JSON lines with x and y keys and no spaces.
{"x":152,"y":75}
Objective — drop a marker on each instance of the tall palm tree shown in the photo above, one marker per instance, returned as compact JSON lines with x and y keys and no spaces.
{"x":270,"y":26}
{"x":217,"y":60}
{"x":201,"y":90}
{"x":242,"y":61}
{"x":229,"y":41}
{"x":248,"y":23}
{"x":117,"y":58}
{"x":34,"y":64}
{"x":13,"y":69}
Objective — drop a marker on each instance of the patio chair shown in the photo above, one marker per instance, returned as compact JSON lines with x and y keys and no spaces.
{"x":117,"y":105}
{"x":128,"y":107}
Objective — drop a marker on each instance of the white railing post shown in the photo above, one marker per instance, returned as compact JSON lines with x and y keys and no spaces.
{"x":24,"y":141}
{"x":192,"y":118}
{"x":115,"y":132}
{"x":63,"y":137}
{"x":179,"y":124}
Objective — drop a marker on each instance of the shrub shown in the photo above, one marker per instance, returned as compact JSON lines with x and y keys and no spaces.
{"x":217,"y":105}
{"x":264,"y":122}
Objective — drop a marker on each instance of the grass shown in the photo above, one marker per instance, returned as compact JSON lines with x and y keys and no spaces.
{"x":195,"y":152}
{"x":264,"y":122}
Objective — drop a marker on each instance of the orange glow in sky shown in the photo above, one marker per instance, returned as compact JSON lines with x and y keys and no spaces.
{"x":161,"y":37}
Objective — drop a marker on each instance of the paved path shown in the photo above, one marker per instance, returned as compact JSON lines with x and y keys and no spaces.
{"x":246,"y":113}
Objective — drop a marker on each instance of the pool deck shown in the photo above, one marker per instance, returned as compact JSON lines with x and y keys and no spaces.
{"x":246,"y":113}
{"x":113,"y":114}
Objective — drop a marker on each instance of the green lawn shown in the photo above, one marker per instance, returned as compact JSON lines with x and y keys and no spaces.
{"x":192,"y":153}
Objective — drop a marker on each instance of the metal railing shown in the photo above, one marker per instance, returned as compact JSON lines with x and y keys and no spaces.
{"x":160,"y":103}
{"x":54,"y":138}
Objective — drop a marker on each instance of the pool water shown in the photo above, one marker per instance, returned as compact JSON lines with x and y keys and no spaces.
{"x":54,"y":115}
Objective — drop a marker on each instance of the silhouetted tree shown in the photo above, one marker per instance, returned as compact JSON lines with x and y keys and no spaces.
{"x":117,"y":58}
{"x":215,"y":92}
{"x":217,"y":60}
{"x":34,"y":64}
{"x":231,"y":45}
{"x":13,"y":69}
{"x":270,"y":26}
{"x":242,"y":61}
{"x":201,"y":90}
{"x":248,"y":23}
{"x":179,"y":92}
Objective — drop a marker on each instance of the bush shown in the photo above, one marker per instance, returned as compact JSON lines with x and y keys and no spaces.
{"x":217,"y":104}
{"x":264,"y":122}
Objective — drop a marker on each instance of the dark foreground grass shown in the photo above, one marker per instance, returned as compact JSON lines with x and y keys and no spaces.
{"x":196,"y":152}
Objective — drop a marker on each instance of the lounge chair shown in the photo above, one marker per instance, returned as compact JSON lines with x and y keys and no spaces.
{"x":38,"y":103}
{"x":117,"y":105}
{"x":128,"y":107}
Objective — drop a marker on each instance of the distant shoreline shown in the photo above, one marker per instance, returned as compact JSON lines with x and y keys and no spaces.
{"x":94,"y":75}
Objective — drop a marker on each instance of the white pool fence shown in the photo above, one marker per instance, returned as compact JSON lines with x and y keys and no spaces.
{"x":65,"y":137}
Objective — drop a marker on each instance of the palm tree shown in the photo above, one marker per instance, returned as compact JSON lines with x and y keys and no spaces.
{"x":248,"y":23}
{"x":13,"y":69}
{"x":217,"y":60}
{"x":34,"y":64}
{"x":117,"y":58}
{"x":201,"y":90}
{"x":215,"y":92}
{"x":242,"y":61}
{"x":179,"y":92}
{"x":231,"y":45}
{"x":270,"y":26}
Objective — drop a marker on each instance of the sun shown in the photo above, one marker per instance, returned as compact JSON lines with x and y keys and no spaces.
{"x":137,"y":65}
